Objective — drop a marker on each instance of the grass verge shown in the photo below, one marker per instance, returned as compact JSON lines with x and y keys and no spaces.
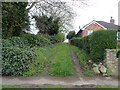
{"x":41,"y":59}
{"x":61,"y":64}
{"x":107,"y":86}
{"x":83,"y":57}
{"x":11,"y":86}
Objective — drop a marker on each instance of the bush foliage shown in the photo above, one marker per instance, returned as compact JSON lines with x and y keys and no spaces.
{"x":71,"y":34}
{"x":101,"y":40}
{"x":15,"y":60}
{"x":82,"y":43}
{"x":18,"y":52}
{"x":36,"y":40}
{"x":96,"y":43}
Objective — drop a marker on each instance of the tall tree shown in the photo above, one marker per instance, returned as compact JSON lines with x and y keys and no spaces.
{"x":48,"y":25}
{"x":14,"y":18}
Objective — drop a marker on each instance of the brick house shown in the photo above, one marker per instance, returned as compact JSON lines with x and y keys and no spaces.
{"x":97,"y":25}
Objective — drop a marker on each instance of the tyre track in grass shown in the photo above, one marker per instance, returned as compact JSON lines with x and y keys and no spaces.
{"x":77,"y":66}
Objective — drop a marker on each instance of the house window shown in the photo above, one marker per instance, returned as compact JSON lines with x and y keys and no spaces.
{"x":90,"y":31}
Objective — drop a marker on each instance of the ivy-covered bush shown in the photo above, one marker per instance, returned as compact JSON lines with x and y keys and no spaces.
{"x":101,"y":40}
{"x":19,"y":42}
{"x":16,"y":60}
{"x":6,"y":43}
{"x":96,"y":43}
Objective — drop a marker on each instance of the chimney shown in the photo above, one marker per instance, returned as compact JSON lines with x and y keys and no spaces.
{"x":112,"y":21}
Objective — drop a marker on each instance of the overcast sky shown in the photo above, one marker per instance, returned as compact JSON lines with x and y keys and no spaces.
{"x":99,"y":10}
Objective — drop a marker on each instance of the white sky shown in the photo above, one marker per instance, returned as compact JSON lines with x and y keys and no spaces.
{"x":99,"y":10}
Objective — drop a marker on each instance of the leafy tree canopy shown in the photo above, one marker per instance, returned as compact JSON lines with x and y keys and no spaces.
{"x":48,"y":25}
{"x":14,"y":18}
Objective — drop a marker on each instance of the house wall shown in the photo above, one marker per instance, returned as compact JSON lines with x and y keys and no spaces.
{"x":90,"y":27}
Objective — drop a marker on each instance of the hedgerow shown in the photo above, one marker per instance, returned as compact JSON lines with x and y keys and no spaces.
{"x":96,"y":43}
{"x":101,"y":40}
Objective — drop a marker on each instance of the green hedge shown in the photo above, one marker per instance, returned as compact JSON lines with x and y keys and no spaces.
{"x":101,"y":40}
{"x":82,"y":43}
{"x":96,"y":43}
{"x":16,"y":60}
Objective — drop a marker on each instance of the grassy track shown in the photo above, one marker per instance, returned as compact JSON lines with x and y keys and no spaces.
{"x":83,"y":57}
{"x":61,"y":64}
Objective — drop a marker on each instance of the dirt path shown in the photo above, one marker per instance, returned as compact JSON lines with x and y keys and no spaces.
{"x":77,"y":67}
{"x":77,"y":80}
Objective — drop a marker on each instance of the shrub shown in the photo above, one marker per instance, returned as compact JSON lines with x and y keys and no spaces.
{"x":19,"y":42}
{"x":71,"y":34}
{"x":37,"y":40}
{"x":82,"y":43}
{"x":101,"y":40}
{"x":60,"y":36}
{"x":6,"y":43}
{"x":55,"y":38}
{"x":16,"y":60}
{"x":15,"y":41}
